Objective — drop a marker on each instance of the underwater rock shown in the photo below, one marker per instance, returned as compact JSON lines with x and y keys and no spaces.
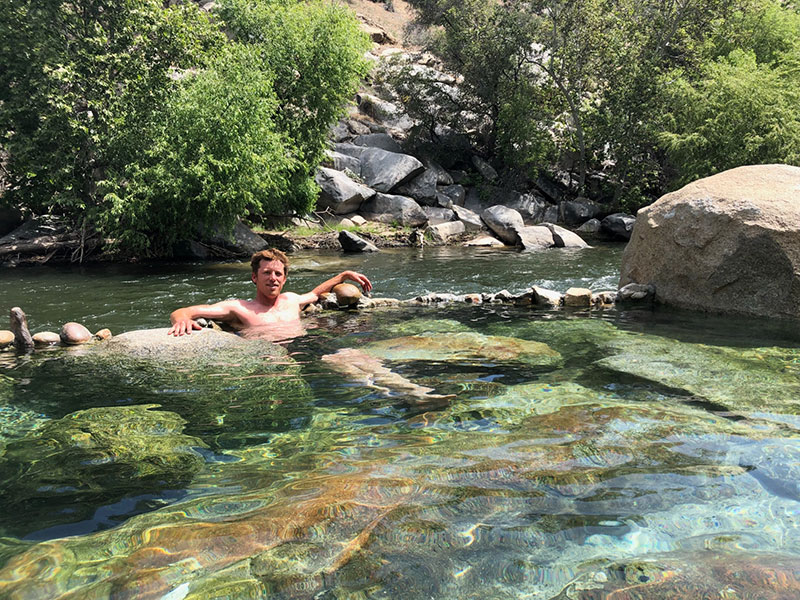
{"x":222,"y":545}
{"x":734,"y":378}
{"x":202,"y":345}
{"x":708,"y":575}
{"x":73,"y":334}
{"x":463,"y":346}
{"x":225,"y":386}
{"x":89,"y":457}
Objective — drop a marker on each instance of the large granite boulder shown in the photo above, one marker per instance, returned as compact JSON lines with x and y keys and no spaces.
{"x":378,"y":140}
{"x":564,"y":238}
{"x":441,"y":232}
{"x":618,"y":225}
{"x":389,"y":208}
{"x":728,"y":243}
{"x":339,"y":193}
{"x":472,"y":221}
{"x":238,"y":241}
{"x":340,"y":162}
{"x":504,"y":222}
{"x":535,"y":237}
{"x":383,"y":170}
{"x":422,"y":188}
{"x":350,"y":242}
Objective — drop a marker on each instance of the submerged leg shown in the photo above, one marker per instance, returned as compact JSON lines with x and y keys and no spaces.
{"x":370,"y":371}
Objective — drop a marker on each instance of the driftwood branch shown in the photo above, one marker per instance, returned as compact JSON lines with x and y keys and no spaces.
{"x":41,"y":245}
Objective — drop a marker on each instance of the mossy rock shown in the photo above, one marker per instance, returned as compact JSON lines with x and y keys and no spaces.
{"x":225,"y":387}
{"x":756,"y":379}
{"x":93,"y":457}
{"x":464,"y":346}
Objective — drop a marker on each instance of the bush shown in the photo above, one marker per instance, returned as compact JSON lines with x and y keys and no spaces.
{"x":215,"y":154}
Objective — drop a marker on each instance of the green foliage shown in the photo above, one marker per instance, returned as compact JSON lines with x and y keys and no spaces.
{"x":151,"y":124}
{"x":76,"y":80}
{"x":640,"y":89}
{"x":215,"y":154}
{"x":738,"y":112}
{"x":314,"y":51}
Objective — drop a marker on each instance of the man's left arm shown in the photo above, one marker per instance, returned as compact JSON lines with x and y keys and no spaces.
{"x":327,"y":286}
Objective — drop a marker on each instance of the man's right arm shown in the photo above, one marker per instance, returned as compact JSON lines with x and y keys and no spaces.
{"x":183,"y":319}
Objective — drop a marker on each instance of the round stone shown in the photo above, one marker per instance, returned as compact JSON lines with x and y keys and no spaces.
{"x":46,"y":338}
{"x":6,"y":338}
{"x":75,"y":333}
{"x":346,"y":294}
{"x":103,"y":334}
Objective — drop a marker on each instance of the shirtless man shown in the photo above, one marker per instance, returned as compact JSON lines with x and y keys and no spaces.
{"x":271,"y":309}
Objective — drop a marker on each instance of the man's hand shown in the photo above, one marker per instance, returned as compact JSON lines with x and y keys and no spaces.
{"x":183,"y":327}
{"x":359,"y":278}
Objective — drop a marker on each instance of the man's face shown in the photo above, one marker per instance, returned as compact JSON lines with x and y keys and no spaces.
{"x":269,"y":278}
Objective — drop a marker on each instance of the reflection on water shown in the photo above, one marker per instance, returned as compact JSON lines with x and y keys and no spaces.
{"x":621,"y":454}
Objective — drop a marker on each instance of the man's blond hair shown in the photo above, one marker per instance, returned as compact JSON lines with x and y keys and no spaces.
{"x":268,"y":255}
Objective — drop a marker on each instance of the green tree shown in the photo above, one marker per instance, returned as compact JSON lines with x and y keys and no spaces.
{"x":77,"y":79}
{"x":738,"y":112}
{"x":315,"y":53}
{"x":213,"y":154}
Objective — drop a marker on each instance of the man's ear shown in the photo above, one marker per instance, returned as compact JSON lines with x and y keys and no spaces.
{"x":252,"y":277}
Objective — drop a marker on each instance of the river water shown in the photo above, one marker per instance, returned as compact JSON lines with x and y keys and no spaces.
{"x":454,"y":451}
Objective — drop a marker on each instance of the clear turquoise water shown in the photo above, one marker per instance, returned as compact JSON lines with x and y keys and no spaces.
{"x":632,"y":453}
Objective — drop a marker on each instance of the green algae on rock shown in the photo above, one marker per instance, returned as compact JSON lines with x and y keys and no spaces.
{"x":92,"y":456}
{"x":464,"y":346}
{"x":737,"y":379}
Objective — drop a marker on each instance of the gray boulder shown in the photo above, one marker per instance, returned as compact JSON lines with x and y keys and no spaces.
{"x":389,"y":208}
{"x":591,"y":227}
{"x":340,"y":132}
{"x":550,"y":214}
{"x":378,"y":140}
{"x":618,"y":225}
{"x":240,"y":241}
{"x":727,"y":243}
{"x":578,"y":211}
{"x":472,"y":221}
{"x":350,"y":242}
{"x":451,"y":195}
{"x":349,"y":150}
{"x":535,"y":237}
{"x":340,"y":162}
{"x":442,"y":176}
{"x":550,"y":188}
{"x":530,"y":206}
{"x":383,"y":170}
{"x":474,"y":201}
{"x":441,"y":232}
{"x":564,"y":238}
{"x":422,"y":188}
{"x":504,"y":222}
{"x":339,"y":193}
{"x":484,"y":168}
{"x":438,"y":215}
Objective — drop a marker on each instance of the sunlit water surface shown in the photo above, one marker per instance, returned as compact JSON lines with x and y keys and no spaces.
{"x":452,"y":451}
